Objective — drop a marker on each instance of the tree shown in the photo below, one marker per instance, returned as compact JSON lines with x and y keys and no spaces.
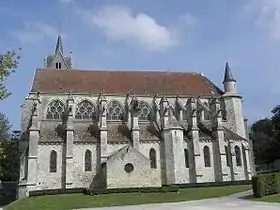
{"x":266,"y":138}
{"x":5,"y":127}
{"x":8,"y":63}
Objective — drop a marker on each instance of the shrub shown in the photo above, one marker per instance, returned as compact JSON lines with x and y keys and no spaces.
{"x":266,"y":184}
{"x":163,"y":189}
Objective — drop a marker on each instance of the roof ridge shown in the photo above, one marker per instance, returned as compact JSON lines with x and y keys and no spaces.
{"x":125,"y":70}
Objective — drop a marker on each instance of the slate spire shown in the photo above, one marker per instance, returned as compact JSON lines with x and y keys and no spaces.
{"x":58,"y":47}
{"x":228,"y":75}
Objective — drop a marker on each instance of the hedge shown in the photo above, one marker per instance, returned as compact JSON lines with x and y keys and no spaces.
{"x":214,"y":184}
{"x":163,"y":189}
{"x":266,"y":184}
{"x":55,"y":191}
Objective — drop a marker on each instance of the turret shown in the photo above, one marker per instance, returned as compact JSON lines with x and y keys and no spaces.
{"x":229,"y":82}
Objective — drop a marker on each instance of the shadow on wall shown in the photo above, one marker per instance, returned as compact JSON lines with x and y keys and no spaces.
{"x":99,"y":180}
{"x":8,"y":192}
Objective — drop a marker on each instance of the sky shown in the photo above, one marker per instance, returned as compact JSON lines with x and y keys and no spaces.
{"x":181,"y":35}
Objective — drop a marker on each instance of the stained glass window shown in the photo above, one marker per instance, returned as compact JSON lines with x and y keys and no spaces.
{"x":206,"y":152}
{"x":88,"y":165}
{"x":114,"y":111}
{"x":84,"y":110}
{"x":153,"y":158}
{"x":238,"y":156}
{"x":145,"y":111}
{"x":53,"y":161}
{"x":55,"y":110}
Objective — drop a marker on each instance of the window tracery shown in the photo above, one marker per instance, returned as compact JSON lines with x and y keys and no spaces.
{"x":84,"y":110}
{"x":114,"y":111}
{"x":144,"y":111}
{"x":55,"y":110}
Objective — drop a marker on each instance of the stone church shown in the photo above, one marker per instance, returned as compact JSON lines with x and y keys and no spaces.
{"x":126,"y":129}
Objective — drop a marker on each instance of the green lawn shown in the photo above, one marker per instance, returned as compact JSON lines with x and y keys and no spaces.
{"x":269,"y":198}
{"x":72,"y":201}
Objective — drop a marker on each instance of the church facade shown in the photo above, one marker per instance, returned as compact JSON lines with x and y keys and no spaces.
{"x":125,"y":129}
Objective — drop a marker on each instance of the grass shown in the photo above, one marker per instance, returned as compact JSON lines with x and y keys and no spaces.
{"x":269,"y":198}
{"x":72,"y":201}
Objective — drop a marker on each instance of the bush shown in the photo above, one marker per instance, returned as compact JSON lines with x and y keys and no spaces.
{"x":266,"y":184}
{"x":163,"y":189}
{"x":55,"y":191}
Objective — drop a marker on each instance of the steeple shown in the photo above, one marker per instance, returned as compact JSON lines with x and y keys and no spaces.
{"x":229,"y":82}
{"x":58,"y":60}
{"x":228,"y":75}
{"x":59,"y":48}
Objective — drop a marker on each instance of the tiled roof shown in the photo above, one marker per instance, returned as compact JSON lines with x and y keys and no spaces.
{"x":120,"y":82}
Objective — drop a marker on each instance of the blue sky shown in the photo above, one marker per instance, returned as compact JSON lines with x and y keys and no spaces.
{"x":182,"y":35}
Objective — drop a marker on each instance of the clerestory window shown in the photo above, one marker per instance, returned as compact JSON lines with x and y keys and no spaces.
{"x":84,"y":110}
{"x":145,"y":111}
{"x":55,"y":110}
{"x":115,"y":111}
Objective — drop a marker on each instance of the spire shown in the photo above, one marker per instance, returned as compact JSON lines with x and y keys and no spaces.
{"x":228,"y":75}
{"x":58,"y":47}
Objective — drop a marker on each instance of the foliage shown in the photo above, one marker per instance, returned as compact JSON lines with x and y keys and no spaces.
{"x":76,"y":201}
{"x":9,"y":153}
{"x":10,"y":160}
{"x":265,"y":134}
{"x":8,"y":63}
{"x":131,"y":190}
{"x":266,"y":184}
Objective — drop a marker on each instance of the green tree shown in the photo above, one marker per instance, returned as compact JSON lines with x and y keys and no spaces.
{"x":266,"y":138}
{"x":5,"y":134}
{"x":10,"y":160}
{"x":8,"y":64}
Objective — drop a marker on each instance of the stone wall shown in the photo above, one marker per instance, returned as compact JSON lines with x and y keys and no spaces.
{"x":46,"y":179}
{"x":130,"y":169}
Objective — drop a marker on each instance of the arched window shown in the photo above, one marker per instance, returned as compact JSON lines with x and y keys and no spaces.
{"x":206,"y":152}
{"x":227,"y":155}
{"x":84,"y":110}
{"x":186,"y":158}
{"x":238,"y":156}
{"x":206,"y":113}
{"x":153,"y":158}
{"x":145,"y":111}
{"x":115,"y":111}
{"x":55,"y":110}
{"x":53,"y":162}
{"x":88,"y":165}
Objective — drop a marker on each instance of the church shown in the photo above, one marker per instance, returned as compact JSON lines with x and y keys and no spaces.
{"x":130,"y":129}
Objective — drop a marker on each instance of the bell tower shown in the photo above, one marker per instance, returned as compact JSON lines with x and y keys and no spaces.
{"x":58,"y":60}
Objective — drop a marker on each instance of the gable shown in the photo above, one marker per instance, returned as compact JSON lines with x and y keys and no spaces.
{"x":122,"y":82}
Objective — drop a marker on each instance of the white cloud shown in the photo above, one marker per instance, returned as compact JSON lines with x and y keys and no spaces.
{"x":266,"y":16}
{"x":66,"y":1}
{"x":120,"y":23}
{"x":34,"y":32}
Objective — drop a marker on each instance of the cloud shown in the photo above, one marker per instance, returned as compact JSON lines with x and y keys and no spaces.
{"x":66,"y":1}
{"x":266,"y":16}
{"x":34,"y":32}
{"x":121,"y":24}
